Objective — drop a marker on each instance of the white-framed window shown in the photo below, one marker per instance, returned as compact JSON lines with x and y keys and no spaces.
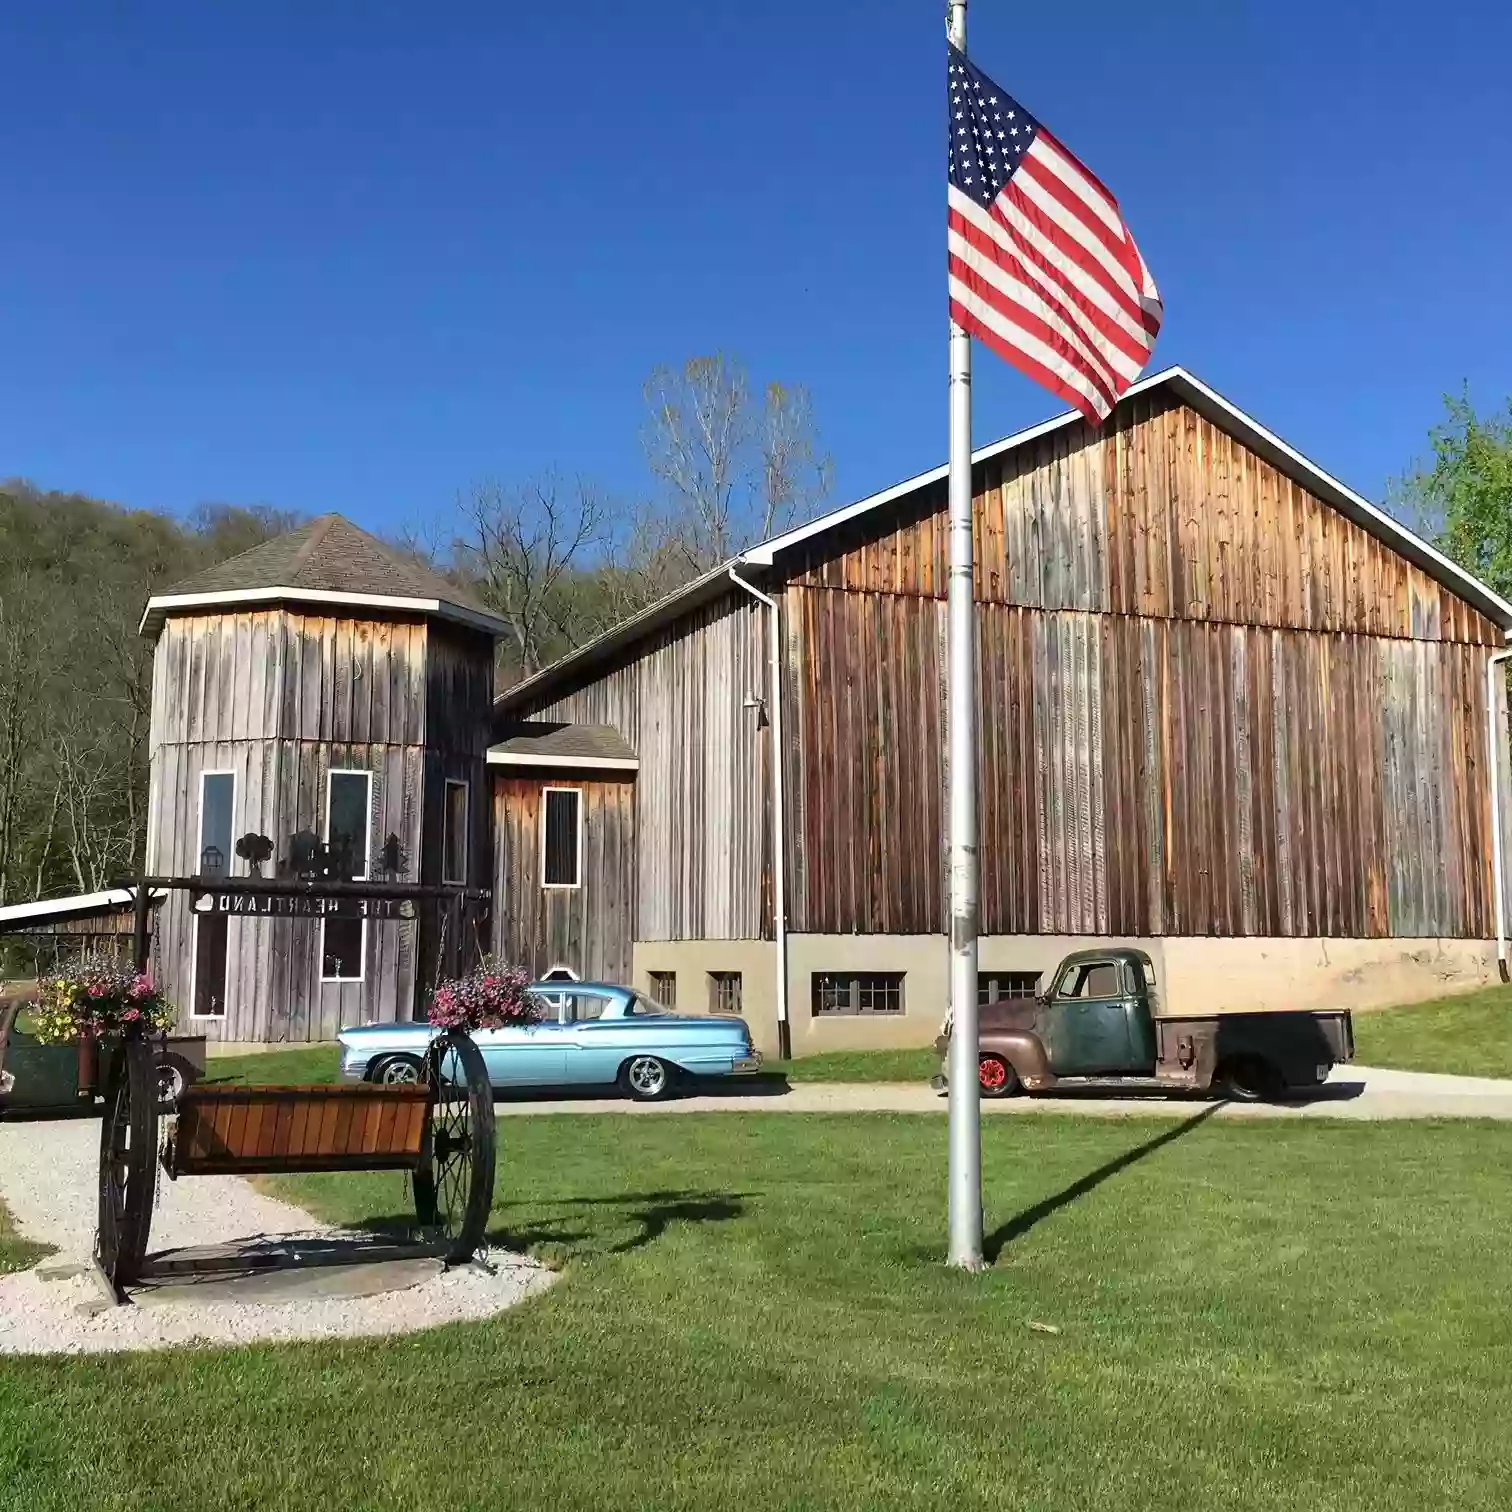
{"x":561,"y":837}
{"x":454,"y":832}
{"x":212,"y":859}
{"x":348,"y":834}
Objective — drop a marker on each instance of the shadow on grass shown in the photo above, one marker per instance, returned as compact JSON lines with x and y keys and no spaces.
{"x":587,"y":1227}
{"x":1019,"y":1225}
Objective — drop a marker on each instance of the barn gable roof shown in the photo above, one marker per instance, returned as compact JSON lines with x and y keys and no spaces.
{"x":1181,"y":385}
{"x":328,"y":562}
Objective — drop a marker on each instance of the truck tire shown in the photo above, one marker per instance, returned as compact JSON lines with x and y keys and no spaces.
{"x":1249,"y":1078}
{"x":996,"y":1076}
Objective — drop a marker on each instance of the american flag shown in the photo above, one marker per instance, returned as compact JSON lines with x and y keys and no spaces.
{"x":1042,"y":267}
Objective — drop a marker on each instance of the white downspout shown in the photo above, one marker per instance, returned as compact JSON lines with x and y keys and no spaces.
{"x":779,"y":815}
{"x":1498,"y":860}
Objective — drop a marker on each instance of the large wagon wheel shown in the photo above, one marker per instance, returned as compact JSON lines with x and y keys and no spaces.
{"x":128,"y":1149}
{"x":454,"y":1184}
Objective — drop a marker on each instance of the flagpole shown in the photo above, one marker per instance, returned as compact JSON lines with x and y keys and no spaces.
{"x":965,"y":1091}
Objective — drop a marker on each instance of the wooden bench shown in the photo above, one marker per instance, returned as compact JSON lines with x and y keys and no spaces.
{"x":440,"y":1130}
{"x":268,"y":1131}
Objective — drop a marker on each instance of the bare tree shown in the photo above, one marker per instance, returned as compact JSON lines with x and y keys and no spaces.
{"x":522,"y":545}
{"x":736,"y":466}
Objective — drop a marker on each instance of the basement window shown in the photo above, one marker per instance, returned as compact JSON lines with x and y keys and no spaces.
{"x":664,"y":987}
{"x":850,"y":992}
{"x":561,"y":838}
{"x":724,"y":992}
{"x":996,"y":986}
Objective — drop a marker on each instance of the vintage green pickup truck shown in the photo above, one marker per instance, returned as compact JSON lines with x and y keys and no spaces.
{"x":1100,"y":1024}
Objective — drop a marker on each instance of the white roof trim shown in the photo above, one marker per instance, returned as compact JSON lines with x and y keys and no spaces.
{"x":162,"y":603}
{"x":80,"y":903}
{"x":564,"y":763}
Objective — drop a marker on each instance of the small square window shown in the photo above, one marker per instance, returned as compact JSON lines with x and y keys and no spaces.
{"x":561,"y":837}
{"x":848,"y":992}
{"x":724,"y":992}
{"x":997,"y":986}
{"x":664,"y":987}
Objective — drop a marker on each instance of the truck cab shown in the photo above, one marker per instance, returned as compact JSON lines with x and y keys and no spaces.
{"x":1099,"y":1019}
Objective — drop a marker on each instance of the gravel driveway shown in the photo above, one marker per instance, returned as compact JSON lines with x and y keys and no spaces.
{"x":47,"y":1180}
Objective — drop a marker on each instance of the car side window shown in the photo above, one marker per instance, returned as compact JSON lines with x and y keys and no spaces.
{"x":584,"y":1006}
{"x":1089,"y":979}
{"x":641,"y":1006}
{"x":553,"y":1007}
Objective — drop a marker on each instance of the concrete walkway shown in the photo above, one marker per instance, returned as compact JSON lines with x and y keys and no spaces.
{"x":1352,"y":1092}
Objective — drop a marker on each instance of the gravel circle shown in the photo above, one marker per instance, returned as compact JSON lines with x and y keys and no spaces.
{"x":48,"y":1174}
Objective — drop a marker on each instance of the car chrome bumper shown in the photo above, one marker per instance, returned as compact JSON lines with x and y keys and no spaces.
{"x":746,"y":1065}
{"x":353,"y":1071}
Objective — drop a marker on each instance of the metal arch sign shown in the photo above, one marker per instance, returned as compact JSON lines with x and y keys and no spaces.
{"x":253,"y":905}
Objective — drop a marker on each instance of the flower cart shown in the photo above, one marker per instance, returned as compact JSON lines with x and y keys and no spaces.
{"x":439,"y":1128}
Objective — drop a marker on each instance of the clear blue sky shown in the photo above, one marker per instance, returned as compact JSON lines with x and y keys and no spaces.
{"x":352,"y":255}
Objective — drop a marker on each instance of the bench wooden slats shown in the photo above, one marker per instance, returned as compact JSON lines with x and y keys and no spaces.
{"x":244,"y":1131}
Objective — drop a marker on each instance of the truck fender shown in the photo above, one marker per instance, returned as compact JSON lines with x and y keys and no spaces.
{"x":1024,"y":1052}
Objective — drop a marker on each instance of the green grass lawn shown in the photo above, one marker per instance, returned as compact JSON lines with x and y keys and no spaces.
{"x":859,"y":1066}
{"x":1468,"y":1035}
{"x":16,"y":1253}
{"x":306,"y":1065}
{"x":754,"y":1315}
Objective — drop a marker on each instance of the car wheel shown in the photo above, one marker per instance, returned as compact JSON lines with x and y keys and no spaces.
{"x":996,"y":1077}
{"x":647,"y":1079}
{"x":399,"y":1071}
{"x":1249,"y":1078}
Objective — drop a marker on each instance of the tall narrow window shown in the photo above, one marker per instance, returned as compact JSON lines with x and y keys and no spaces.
{"x":212,"y":860}
{"x":454,"y":838}
{"x":349,"y":807}
{"x":562,"y":840}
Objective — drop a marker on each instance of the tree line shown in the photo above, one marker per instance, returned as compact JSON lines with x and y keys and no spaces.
{"x":557,"y":557}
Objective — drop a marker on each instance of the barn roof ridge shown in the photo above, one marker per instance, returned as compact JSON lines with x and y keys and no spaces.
{"x":1184,"y":384}
{"x":327,"y":561}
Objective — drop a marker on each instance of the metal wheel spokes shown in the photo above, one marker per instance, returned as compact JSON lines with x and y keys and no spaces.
{"x":647,"y":1075}
{"x":992,"y":1073}
{"x":128,"y":1147}
{"x":400,"y":1073}
{"x":455,"y":1183}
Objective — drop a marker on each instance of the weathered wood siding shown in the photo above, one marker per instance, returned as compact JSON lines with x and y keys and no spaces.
{"x":590,"y":928}
{"x":280,"y":698}
{"x":1210,"y":705}
{"x":1160,"y":514}
{"x":700,"y":804}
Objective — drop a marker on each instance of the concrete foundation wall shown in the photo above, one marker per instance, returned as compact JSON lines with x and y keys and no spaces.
{"x":1195,"y":976}
{"x":693,"y":960}
{"x":1238,"y":976}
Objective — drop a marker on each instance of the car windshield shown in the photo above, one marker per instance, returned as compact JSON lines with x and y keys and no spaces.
{"x":642,"y":1006}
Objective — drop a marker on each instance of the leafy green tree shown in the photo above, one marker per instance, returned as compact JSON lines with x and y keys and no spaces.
{"x":1463,"y":500}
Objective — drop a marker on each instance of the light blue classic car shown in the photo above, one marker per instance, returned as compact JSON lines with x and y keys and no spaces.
{"x":589,"y":1034}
